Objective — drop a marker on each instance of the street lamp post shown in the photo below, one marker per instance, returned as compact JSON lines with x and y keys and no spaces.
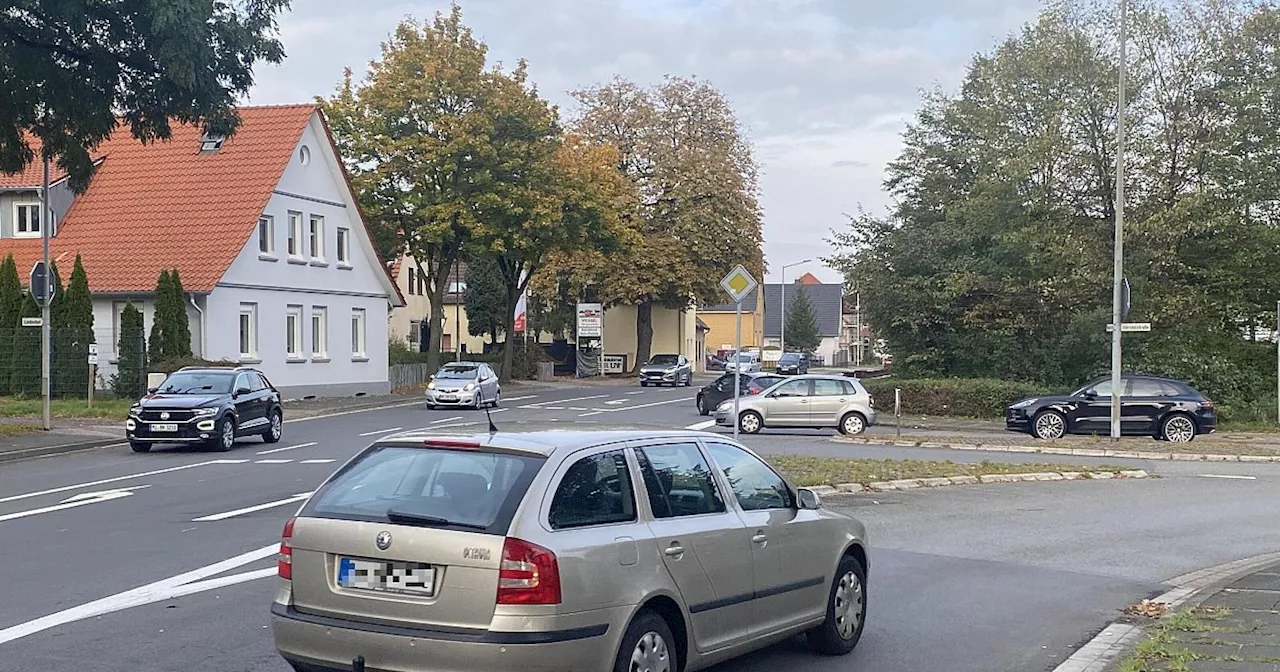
{"x":782,"y":334}
{"x":1118,"y":277}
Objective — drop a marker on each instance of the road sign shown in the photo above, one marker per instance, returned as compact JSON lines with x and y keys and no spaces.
{"x":32,"y":322}
{"x":590,"y":320}
{"x":1126,"y":300}
{"x":40,"y":284}
{"x":93,"y":353}
{"x":739,"y":283}
{"x":1131,"y":326}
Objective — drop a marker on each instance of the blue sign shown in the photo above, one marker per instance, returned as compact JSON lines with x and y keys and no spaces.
{"x":42,"y":289}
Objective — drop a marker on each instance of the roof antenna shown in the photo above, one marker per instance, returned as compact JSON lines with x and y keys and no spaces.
{"x":492,"y":428}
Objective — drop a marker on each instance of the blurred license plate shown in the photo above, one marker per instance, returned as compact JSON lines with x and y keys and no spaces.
{"x":448,"y":397}
{"x":415,"y":578}
{"x":164,"y":427}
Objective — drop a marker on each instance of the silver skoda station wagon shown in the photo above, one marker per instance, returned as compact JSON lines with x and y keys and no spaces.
{"x":562,"y":552}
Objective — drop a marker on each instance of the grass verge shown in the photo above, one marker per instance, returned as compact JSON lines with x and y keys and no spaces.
{"x":7,"y":429}
{"x":114,"y":409}
{"x":1204,"y":445}
{"x":1203,"y":633}
{"x":807,"y":471}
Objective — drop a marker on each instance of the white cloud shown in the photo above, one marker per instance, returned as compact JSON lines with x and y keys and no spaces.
{"x":823,"y":86}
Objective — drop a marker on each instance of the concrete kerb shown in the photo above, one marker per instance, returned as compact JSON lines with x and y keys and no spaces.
{"x":1188,"y":590}
{"x":939,"y":482}
{"x":1073,"y":452}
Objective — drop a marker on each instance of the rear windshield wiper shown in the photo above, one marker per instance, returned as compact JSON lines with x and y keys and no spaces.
{"x":423,"y":520}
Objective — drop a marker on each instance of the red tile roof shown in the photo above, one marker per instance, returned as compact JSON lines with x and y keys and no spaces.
{"x":809,"y":279}
{"x":166,"y":205}
{"x":32,"y":176}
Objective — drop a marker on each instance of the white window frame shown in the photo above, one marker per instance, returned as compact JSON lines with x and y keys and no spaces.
{"x":248,"y":318}
{"x":18,"y":206}
{"x":343,"y":250}
{"x":319,"y":333}
{"x":359,"y":338}
{"x":295,"y":235}
{"x":267,"y":236}
{"x":315,"y":237}
{"x":293,"y":332}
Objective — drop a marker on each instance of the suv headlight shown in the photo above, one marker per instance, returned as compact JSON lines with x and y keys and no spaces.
{"x":205,"y":412}
{"x":135,"y":409}
{"x":1024,"y":403}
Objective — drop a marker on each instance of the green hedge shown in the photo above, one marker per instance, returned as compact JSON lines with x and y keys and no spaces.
{"x":983,"y":398}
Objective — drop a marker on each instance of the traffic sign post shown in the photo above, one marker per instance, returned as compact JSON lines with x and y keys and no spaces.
{"x":738,"y":284}
{"x":93,"y":370}
{"x":42,"y":286}
{"x":1130,"y":326}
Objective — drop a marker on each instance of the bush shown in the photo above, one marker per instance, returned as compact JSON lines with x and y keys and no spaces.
{"x":130,"y":379}
{"x":983,"y":398}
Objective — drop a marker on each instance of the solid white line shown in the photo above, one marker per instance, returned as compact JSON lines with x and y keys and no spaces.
{"x":316,"y":461}
{"x":639,"y":406}
{"x":1240,"y":478}
{"x":281,"y":450}
{"x":104,"y":481}
{"x":382,"y":431}
{"x":527,"y":396}
{"x":358,"y":410}
{"x":250,"y":509}
{"x":436,"y":422}
{"x":583,"y":415}
{"x":498,"y":410}
{"x":176,"y":586}
{"x":565,"y":401}
{"x":229,"y":461}
{"x":701,"y":425}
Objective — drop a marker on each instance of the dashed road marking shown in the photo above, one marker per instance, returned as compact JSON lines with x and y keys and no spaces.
{"x":251,"y":509}
{"x":316,"y":461}
{"x":527,"y":396}
{"x":281,"y":450}
{"x":701,"y":425}
{"x":382,"y":431}
{"x":436,"y":422}
{"x":272,"y":461}
{"x":1230,"y":476}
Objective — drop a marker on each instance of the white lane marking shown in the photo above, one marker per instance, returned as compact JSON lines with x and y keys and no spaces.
{"x":615,"y":402}
{"x":584,"y":415}
{"x":577,"y":408}
{"x":250,"y":509}
{"x":281,"y":450}
{"x":316,"y":461}
{"x":527,"y":396}
{"x":382,"y":431}
{"x":177,"y":586}
{"x":1240,"y":478}
{"x":639,"y":406}
{"x":230,"y":461}
{"x":436,"y":422}
{"x":564,"y":401}
{"x":82,"y":499}
{"x":339,"y":414}
{"x":272,"y":461}
{"x":549,"y":408}
{"x":117,"y":479}
{"x":634,"y":393}
{"x":498,"y":410}
{"x":701,"y":425}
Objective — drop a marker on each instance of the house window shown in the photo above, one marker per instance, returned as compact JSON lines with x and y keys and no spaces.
{"x":295,"y":234}
{"x":293,"y":332}
{"x":267,"y":235}
{"x":316,"y":239}
{"x":344,"y":246}
{"x":319,"y":332}
{"x":248,"y":331}
{"x":357,"y":333}
{"x":26,"y":220}
{"x":211,"y":143}
{"x":422,"y":283}
{"x":413,"y":281}
{"x":446,"y":342}
{"x":415,"y":333}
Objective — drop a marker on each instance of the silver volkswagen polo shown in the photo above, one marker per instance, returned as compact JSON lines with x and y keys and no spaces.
{"x":562,"y":552}
{"x":809,"y":401}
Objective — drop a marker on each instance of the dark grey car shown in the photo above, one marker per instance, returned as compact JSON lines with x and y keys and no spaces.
{"x":670,"y":370}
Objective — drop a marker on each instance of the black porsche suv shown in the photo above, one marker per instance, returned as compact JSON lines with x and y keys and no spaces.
{"x":210,"y":406}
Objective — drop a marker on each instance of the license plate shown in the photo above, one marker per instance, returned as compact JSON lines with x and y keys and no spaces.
{"x":448,"y":397}
{"x":414,"y":578}
{"x":164,"y":427}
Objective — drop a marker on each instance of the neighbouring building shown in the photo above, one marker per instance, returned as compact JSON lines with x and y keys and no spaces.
{"x":674,"y":332}
{"x":264,"y":229}
{"x":409,"y":323}
{"x":828,"y":302}
{"x":721,"y":322}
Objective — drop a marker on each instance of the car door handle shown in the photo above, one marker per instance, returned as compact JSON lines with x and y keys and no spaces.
{"x":760,"y":538}
{"x":674,"y":550}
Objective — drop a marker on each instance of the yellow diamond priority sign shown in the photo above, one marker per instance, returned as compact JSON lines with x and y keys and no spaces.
{"x":738,"y":283}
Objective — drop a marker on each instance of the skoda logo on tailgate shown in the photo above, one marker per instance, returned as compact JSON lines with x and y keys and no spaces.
{"x":383,"y":540}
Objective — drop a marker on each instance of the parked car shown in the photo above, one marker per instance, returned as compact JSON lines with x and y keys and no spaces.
{"x":562,"y":552}
{"x":472,"y":384}
{"x":809,"y":401}
{"x":670,"y":370}
{"x":793,"y":364}
{"x":212,"y":406}
{"x":710,"y":396}
{"x":743,"y":362}
{"x":1163,"y":408}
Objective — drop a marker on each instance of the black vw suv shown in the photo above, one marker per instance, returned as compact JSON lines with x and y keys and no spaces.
{"x":211,"y":406}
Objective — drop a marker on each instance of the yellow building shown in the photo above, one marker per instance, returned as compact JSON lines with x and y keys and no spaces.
{"x":675,"y":332}
{"x":721,"y":323}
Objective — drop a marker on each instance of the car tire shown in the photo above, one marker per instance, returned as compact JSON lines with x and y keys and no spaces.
{"x":852,"y":424}
{"x":702,"y":406}
{"x":839,"y":633}
{"x":644,"y":384}
{"x":647,"y":645}
{"x":477,"y":402}
{"x":431,"y":407}
{"x":140,"y":446}
{"x":1178,"y":428}
{"x":750,"y":422}
{"x":688,"y":380}
{"x":275,"y":428}
{"x":225,"y":427}
{"x":1049,"y":425}
{"x":497,"y":398}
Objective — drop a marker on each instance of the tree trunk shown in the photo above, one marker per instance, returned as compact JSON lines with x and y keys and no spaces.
{"x":435,"y":321}
{"x":644,"y":333}
{"x":509,"y":330}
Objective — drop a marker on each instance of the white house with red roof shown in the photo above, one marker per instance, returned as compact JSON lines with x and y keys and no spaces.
{"x":264,"y":229}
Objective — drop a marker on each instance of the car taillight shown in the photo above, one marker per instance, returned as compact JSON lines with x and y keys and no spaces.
{"x":871,"y":401}
{"x":1207,"y":403}
{"x":284,"y":564}
{"x":529,"y":574}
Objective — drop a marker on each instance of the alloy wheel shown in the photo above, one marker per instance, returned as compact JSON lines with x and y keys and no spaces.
{"x":848,"y":606}
{"x":228,"y":434}
{"x":650,"y":654}
{"x":276,"y":429}
{"x":1179,"y":429}
{"x":1050,"y":425}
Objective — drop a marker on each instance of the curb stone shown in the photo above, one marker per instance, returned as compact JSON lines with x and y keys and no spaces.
{"x":939,"y":482}
{"x":1075,"y":452}
{"x":1191,"y":588}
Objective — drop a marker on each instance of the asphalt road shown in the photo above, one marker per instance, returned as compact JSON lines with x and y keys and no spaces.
{"x":122,"y":562}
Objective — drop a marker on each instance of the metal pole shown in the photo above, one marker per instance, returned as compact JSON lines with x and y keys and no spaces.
{"x":45,"y":219}
{"x":1118,"y":278}
{"x":737,"y":372}
{"x":782,"y":334}
{"x":857,"y":320}
{"x":1277,"y":361}
{"x":457,"y":316}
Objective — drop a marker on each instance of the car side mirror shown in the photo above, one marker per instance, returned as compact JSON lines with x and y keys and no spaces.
{"x":1090,"y":394}
{"x":152,"y":390}
{"x":241,"y":391}
{"x":809,"y":499}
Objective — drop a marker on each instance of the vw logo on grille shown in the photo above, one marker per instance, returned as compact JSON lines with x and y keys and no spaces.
{"x":383,"y":541}
{"x":164,"y":416}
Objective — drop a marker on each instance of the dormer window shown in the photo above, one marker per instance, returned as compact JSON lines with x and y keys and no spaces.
{"x":211,"y":143}
{"x":26,"y":220}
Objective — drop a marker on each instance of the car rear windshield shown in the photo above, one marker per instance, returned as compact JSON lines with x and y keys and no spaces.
{"x":446,"y":488}
{"x":197,"y":382}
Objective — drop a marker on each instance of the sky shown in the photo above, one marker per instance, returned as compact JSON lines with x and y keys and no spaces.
{"x":823,"y":88}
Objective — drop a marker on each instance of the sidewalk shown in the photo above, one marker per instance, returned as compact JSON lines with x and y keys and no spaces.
{"x":1236,"y":629}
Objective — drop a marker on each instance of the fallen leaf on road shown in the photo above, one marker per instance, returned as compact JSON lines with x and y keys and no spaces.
{"x":1148,"y":609}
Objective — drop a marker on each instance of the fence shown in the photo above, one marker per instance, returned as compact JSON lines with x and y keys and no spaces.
{"x":20,"y":362}
{"x":408,"y":375}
